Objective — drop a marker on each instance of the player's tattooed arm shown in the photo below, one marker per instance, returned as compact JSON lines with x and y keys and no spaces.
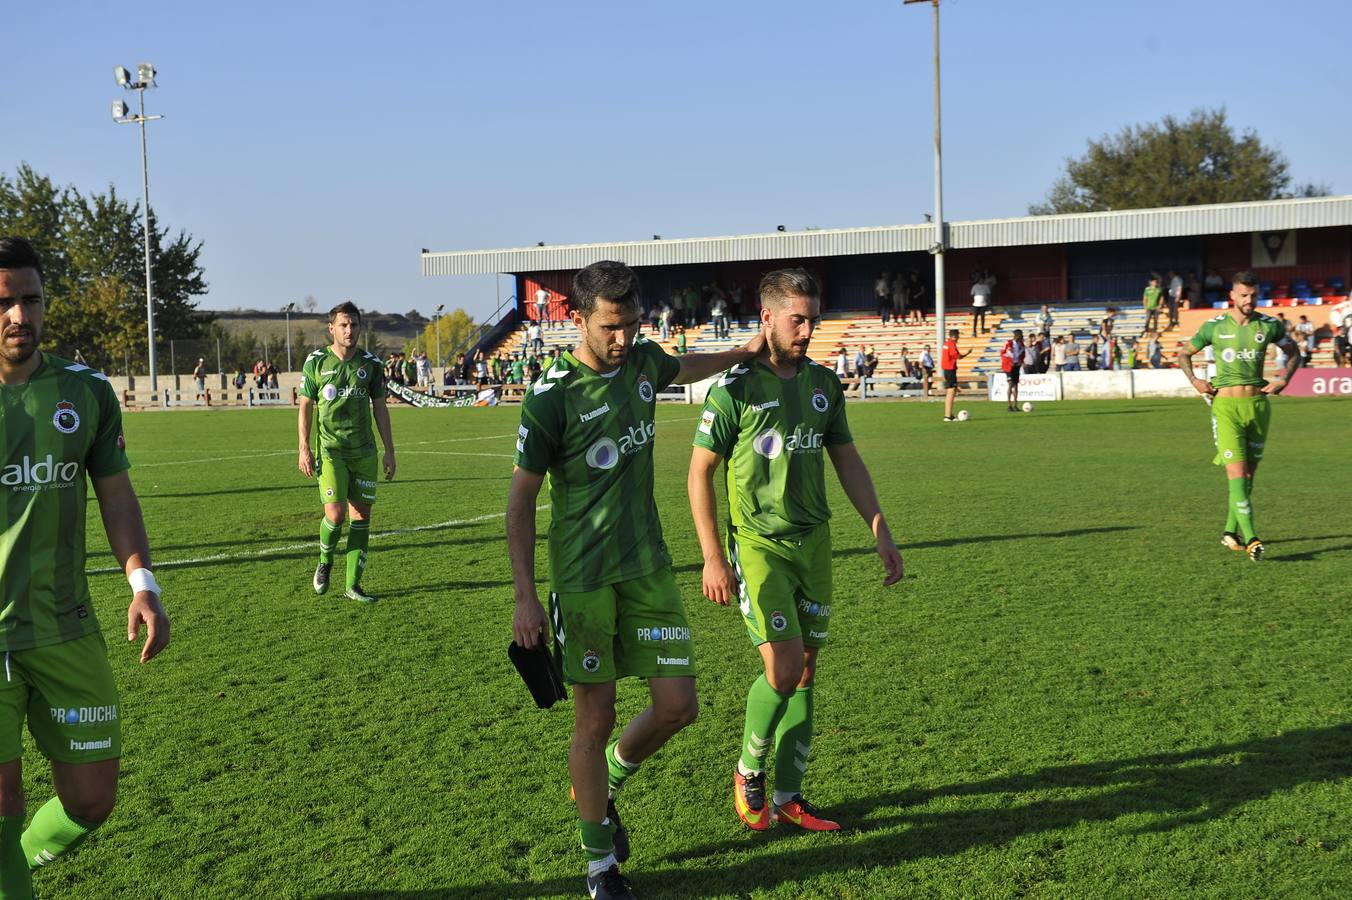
{"x":1292,"y":352}
{"x":528,"y":622}
{"x":1184,"y":359}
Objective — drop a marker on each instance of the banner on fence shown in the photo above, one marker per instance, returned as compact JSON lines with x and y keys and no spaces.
{"x":418,"y":398}
{"x":1320,"y":383}
{"x":1031,"y":387}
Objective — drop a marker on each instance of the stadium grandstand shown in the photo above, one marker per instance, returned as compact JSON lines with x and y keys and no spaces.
{"x":1084,"y":267}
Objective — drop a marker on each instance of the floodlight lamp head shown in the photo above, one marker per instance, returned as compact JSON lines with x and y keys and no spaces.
{"x":122,"y":75}
{"x":145,"y":74}
{"x":120,"y":110}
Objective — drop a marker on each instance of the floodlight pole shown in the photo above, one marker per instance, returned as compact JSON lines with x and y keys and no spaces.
{"x":937,"y":248}
{"x":287,"y":309}
{"x":140,"y":87}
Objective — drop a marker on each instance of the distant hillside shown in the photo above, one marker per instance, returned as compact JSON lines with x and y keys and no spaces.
{"x":308,"y":330}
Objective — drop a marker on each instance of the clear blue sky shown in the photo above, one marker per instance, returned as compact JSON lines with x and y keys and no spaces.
{"x":316,"y":147}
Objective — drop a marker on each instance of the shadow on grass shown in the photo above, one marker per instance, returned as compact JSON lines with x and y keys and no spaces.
{"x":1173,"y":789}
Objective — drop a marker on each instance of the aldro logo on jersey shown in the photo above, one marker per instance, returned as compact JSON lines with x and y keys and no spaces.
{"x":42,"y":475}
{"x":1230,"y":354}
{"x":66,"y":419}
{"x":332,"y":392}
{"x":770,"y":443}
{"x":606,"y":452}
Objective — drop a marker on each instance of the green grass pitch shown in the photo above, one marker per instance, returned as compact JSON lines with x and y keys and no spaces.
{"x":1075,"y":692}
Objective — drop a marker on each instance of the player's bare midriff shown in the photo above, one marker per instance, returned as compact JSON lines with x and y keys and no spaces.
{"x":1239,"y":390}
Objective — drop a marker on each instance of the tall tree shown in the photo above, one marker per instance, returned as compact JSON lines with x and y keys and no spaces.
{"x":1175,"y":162}
{"x":455,"y":327}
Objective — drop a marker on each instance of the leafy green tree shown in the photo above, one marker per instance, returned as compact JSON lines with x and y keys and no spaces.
{"x":1176,"y":162}
{"x":455,"y":326}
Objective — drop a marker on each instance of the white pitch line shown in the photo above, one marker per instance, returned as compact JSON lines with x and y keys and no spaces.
{"x":308,"y":545}
{"x":457,"y":453}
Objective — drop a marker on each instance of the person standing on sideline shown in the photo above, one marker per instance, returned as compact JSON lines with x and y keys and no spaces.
{"x":343,"y":387}
{"x":1150,"y":300}
{"x":1058,"y":354}
{"x":1240,"y":406}
{"x":199,"y":376}
{"x":948,"y":358}
{"x":774,"y":419}
{"x":926,"y":367}
{"x":589,"y":424}
{"x":1011,"y":360}
{"x":57,"y":674}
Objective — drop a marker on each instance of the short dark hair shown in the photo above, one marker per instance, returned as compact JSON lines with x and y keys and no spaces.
{"x":1246,"y":278}
{"x":347,"y":306}
{"x":604,"y":280}
{"x":778,"y":286}
{"x":18,"y":253}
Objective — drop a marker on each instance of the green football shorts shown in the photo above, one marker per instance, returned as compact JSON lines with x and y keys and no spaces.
{"x":784,"y":584}
{"x":635,"y":627}
{"x":67,"y":693}
{"x":341,"y":480}
{"x":1239,"y":426}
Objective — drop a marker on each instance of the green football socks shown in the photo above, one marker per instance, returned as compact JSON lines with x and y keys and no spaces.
{"x":328,"y":539}
{"x":793,"y":742}
{"x":764,"y":708}
{"x":52,"y":833}
{"x":1240,"y":508}
{"x":617,"y":770}
{"x":15,"y":881}
{"x":598,"y":839}
{"x":358,"y":534}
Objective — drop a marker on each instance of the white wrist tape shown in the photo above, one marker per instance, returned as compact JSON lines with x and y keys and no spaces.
{"x":143,"y":580}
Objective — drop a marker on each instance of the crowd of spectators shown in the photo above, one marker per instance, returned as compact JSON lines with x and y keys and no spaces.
{"x":900,"y":297}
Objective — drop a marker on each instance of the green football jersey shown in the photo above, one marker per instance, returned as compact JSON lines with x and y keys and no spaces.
{"x":593,"y":435}
{"x":342,"y":392}
{"x":1151,"y":297}
{"x":63,"y":424}
{"x":771,"y":432}
{"x":1239,"y":349}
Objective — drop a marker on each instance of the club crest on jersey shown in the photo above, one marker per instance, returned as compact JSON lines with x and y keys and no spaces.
{"x":361,"y":373}
{"x":1260,"y":337}
{"x":819,"y":401}
{"x":590,"y":661}
{"x":645,"y":389}
{"x":777,"y":621}
{"x":66,"y":419}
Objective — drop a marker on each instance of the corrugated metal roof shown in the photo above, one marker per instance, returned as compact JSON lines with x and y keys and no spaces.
{"x":1119,"y":225}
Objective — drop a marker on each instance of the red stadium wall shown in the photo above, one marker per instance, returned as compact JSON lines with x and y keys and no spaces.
{"x":1035,"y":274}
{"x":559,"y":285}
{"x":1321,"y":254}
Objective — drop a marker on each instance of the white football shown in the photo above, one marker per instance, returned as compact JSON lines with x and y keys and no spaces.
{"x":963,"y":415}
{"x":1028,"y":407}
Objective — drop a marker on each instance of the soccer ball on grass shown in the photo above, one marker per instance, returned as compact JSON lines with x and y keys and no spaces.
{"x":1027,"y":407}
{"x":963,"y":415}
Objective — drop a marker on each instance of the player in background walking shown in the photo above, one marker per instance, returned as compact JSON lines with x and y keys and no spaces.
{"x":1240,"y":408}
{"x":344,"y":388}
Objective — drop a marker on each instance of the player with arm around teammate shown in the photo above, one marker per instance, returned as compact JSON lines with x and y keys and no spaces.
{"x":615,"y":609}
{"x":344,"y":388}
{"x":60,"y":422}
{"x":1240,"y":409}
{"x":772,"y":420}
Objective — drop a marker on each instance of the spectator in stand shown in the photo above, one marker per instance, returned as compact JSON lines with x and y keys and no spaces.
{"x":1151,"y":301}
{"x":1214,"y":281}
{"x":1305,"y":328}
{"x":424,"y":370}
{"x":411,"y":369}
{"x":1173,"y":298}
{"x":882,"y":296}
{"x":518,"y":369}
{"x":871,"y":360}
{"x":905,"y":367}
{"x":1091,"y":354}
{"x":467,"y":368}
{"x":718,"y":316}
{"x":532,"y":369}
{"x":981,"y":300}
{"x":1306,"y":347}
{"x":1043,"y":321}
{"x":901,"y":292}
{"x":664,"y":322}
{"x":842,"y":364}
{"x":1342,"y":349}
{"x":1058,"y":354}
{"x":1193,"y":298}
{"x":927,"y":368}
{"x":737,"y":305}
{"x":1044,"y":353}
{"x":1072,"y":354}
{"x":915,"y":298}
{"x":1030,"y":355}
{"x":542,"y":307}
{"x":949,"y":357}
{"x":860,"y":362}
{"x":1011,"y":359}
{"x":1154,"y":349}
{"x":537,"y":341}
{"x":1286,"y":325}
{"x":1131,"y":353}
{"x":199,"y":375}
{"x":681,"y":346}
